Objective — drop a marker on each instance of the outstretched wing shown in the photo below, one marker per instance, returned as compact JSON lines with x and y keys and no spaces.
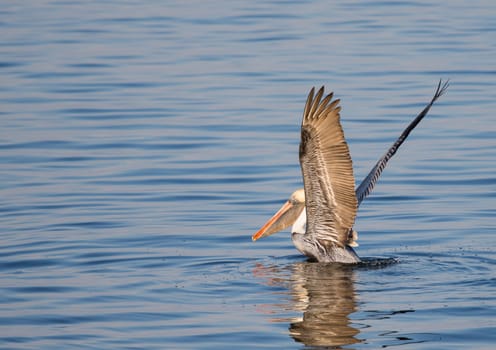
{"x":371,"y":179}
{"x":325,"y":160}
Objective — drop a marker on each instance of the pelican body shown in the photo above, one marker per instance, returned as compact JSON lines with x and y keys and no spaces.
{"x":322,"y":214}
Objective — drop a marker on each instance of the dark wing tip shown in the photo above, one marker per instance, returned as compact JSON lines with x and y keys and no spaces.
{"x":441,"y":89}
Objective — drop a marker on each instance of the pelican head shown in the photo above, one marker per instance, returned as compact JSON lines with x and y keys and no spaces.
{"x":285,"y":217}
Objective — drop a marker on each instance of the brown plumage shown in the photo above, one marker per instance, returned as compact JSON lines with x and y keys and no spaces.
{"x":327,"y":169}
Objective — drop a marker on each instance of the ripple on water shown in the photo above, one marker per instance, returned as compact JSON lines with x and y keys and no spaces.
{"x":141,"y":146}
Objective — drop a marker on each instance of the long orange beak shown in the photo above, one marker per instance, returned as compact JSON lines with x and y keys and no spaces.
{"x":284,"y":217}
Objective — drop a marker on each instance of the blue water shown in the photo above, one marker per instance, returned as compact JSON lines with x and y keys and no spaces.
{"x":142,"y":143}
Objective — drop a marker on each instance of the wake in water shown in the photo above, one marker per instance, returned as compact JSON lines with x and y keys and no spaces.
{"x":373,"y":262}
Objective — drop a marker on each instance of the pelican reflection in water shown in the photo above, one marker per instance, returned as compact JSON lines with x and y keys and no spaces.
{"x":325,"y":295}
{"x":323,"y":212}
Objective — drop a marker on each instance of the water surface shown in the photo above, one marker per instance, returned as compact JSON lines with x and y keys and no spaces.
{"x":142,"y":143}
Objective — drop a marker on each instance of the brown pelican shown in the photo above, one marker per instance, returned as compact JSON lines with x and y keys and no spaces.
{"x":324,"y":211}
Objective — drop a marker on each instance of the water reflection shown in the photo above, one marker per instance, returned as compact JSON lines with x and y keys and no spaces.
{"x":326,"y":296}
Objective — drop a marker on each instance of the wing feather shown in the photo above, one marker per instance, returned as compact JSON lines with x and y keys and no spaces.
{"x":371,"y":179}
{"x":327,"y":169}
